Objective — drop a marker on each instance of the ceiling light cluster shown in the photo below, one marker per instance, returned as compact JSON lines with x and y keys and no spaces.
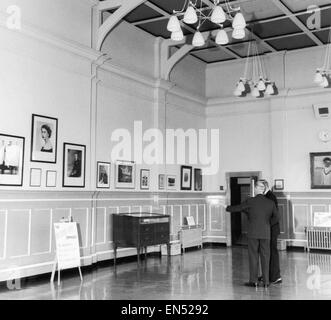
{"x":255,"y":80}
{"x":194,"y":13}
{"x":323,"y":74}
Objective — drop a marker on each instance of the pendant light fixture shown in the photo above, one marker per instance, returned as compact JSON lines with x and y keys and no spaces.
{"x":255,"y":80}
{"x":194,"y":12}
{"x":322,"y":75}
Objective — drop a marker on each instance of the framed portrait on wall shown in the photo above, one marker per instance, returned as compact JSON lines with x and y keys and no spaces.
{"x":43,"y":139}
{"x":103,"y":175}
{"x":11,"y":160}
{"x":125,"y":174}
{"x":185,"y":178}
{"x":171,"y":182}
{"x":161,"y":181}
{"x":74,"y":163}
{"x":320,"y":170}
{"x":197,"y":179}
{"x":144,"y":179}
{"x":279,"y":184}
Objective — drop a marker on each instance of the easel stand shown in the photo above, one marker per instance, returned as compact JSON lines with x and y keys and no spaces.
{"x":58,"y":273}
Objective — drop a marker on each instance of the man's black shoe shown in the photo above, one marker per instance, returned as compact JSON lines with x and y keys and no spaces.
{"x":279,"y":280}
{"x":251,"y":284}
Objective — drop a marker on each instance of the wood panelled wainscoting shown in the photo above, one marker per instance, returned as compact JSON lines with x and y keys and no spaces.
{"x":26,"y":222}
{"x":297,"y":211}
{"x":27,"y":245}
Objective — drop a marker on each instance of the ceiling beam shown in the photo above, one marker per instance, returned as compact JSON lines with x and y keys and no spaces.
{"x":297,"y":21}
{"x":166,"y":14}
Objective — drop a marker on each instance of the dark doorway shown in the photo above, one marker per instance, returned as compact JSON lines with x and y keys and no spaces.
{"x":241,"y":189}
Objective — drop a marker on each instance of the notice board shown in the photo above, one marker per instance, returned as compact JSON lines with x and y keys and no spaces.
{"x":67,"y":245}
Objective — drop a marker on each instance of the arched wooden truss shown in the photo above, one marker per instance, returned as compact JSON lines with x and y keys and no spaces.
{"x":124,"y":7}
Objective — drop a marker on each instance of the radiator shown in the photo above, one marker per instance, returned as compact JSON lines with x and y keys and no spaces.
{"x":318,"y":238}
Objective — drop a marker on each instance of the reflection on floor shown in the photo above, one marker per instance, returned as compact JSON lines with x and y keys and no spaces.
{"x":212,"y":273}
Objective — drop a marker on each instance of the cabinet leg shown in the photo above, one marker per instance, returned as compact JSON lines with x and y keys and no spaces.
{"x":115,"y":254}
{"x":138,"y":256}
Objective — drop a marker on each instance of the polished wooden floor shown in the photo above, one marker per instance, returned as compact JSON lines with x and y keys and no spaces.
{"x":212,"y":273}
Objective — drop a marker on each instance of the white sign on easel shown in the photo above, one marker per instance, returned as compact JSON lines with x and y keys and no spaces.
{"x":67,"y":248}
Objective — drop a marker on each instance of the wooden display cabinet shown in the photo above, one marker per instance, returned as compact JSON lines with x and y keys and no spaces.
{"x":140,"y":229}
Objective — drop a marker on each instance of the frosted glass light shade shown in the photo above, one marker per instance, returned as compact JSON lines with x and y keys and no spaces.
{"x":222,"y":37}
{"x":255,"y":92}
{"x":177,"y":35}
{"x":218,"y":15}
{"x":270,"y":89}
{"x":190,"y":16}
{"x":261,"y":85}
{"x":325,"y":82}
{"x":239,"y":21}
{"x":238,"y":33}
{"x":241,"y":86}
{"x":173,"y":24}
{"x":237,"y":92}
{"x":318,"y":77}
{"x":198,"y":39}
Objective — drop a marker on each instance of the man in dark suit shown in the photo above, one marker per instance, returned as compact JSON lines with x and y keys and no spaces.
{"x":274,"y":269}
{"x":261,"y":213}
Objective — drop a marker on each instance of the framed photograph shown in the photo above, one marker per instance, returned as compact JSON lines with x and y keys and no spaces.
{"x":11,"y":160}
{"x":144,"y":179}
{"x":51,"y":176}
{"x":103,"y":175}
{"x":171,"y":182}
{"x":43,"y":139}
{"x":320,"y":170}
{"x":279,"y":184}
{"x":197,"y":179}
{"x":125,"y":174}
{"x":74,"y":162}
{"x":161,"y":181}
{"x":185,"y":178}
{"x":35,"y":177}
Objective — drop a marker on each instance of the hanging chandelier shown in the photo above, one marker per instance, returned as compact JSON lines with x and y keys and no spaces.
{"x":323,"y":74}
{"x":194,"y":13}
{"x":255,"y":80}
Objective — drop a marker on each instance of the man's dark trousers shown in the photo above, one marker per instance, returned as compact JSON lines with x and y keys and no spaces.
{"x":274,"y":255}
{"x":258,"y":247}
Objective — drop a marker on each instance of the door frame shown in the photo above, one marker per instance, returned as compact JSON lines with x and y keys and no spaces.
{"x":235,"y":174}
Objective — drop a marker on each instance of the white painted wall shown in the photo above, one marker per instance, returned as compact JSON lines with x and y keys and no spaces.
{"x":61,"y":18}
{"x":273,"y":135}
{"x":48,"y":72}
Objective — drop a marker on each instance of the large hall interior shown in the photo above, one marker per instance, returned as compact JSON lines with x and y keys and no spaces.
{"x":128,"y":126}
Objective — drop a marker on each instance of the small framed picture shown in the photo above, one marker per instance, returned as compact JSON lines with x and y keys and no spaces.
{"x":185,"y":178}
{"x":74,"y":161}
{"x":171,"y":182}
{"x":144,"y":179}
{"x":125,"y":174}
{"x":320,"y":170}
{"x":11,"y":160}
{"x":51,"y":176}
{"x":35,"y":177}
{"x":43,"y":139}
{"x":161,"y":181}
{"x":279,"y":184}
{"x":103,"y":175}
{"x":197,"y":179}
